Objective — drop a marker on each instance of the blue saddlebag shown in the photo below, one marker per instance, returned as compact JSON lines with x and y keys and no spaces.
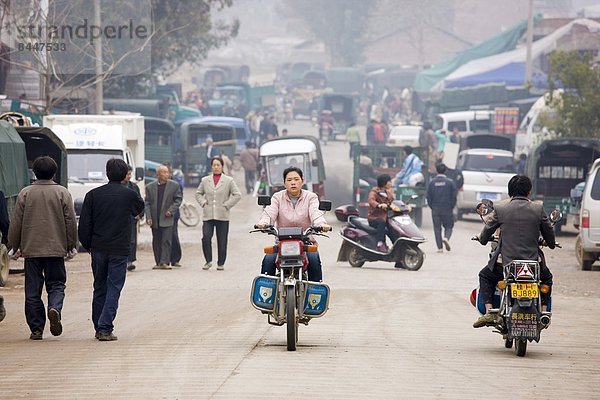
{"x":264,"y":292}
{"x":316,"y":299}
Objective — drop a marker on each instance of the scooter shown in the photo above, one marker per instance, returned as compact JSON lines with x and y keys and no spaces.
{"x":517,"y":301}
{"x":289,"y":298}
{"x":360,"y":244}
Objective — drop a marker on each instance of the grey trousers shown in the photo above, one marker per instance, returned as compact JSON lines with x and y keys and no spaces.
{"x":161,"y":244}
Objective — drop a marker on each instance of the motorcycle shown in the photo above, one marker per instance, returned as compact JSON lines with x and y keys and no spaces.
{"x":517,"y":302}
{"x":360,"y":244}
{"x":289,"y":298}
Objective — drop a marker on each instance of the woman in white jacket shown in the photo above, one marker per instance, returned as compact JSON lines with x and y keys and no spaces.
{"x":216,"y":194}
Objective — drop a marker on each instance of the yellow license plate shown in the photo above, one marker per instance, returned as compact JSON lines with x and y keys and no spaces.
{"x":524,"y":290}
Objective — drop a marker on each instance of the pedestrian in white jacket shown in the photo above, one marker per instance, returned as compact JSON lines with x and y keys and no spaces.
{"x":216,"y":194}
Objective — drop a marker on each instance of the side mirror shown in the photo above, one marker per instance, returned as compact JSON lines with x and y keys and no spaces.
{"x":264,"y":200}
{"x":139,"y":174}
{"x":555,"y":216}
{"x":485,"y":207}
{"x":325,"y":205}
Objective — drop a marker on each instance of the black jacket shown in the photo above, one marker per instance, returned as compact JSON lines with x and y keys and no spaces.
{"x":106,"y":218}
{"x":4,"y":221}
{"x":441,"y":193}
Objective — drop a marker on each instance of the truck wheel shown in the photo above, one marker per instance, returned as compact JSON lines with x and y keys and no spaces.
{"x":4,"y":268}
{"x":586,"y":265}
{"x":459,"y":215}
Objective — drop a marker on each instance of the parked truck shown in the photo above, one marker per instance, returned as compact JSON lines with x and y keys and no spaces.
{"x":237,"y":98}
{"x":91,"y":140}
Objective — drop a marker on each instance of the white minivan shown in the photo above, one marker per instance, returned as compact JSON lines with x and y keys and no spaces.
{"x":465,"y":121}
{"x":486,"y":173}
{"x":587,"y":246}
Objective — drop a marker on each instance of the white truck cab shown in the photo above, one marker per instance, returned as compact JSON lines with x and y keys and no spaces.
{"x":91,"y":140}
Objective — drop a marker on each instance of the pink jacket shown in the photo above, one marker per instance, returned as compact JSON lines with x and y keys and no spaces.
{"x":282,"y":213}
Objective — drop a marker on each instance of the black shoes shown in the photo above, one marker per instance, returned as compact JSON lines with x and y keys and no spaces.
{"x":175,"y":264}
{"x":106,"y":337}
{"x":130,"y":266}
{"x":55,"y":325}
{"x":36,"y":335}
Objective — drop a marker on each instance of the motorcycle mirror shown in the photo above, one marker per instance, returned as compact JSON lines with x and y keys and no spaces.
{"x":484,"y":208}
{"x":264,"y":200}
{"x":555,"y":216}
{"x":325,"y":205}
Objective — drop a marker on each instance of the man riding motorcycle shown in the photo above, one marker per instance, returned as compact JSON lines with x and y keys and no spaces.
{"x":294,"y":207}
{"x":521,"y":221}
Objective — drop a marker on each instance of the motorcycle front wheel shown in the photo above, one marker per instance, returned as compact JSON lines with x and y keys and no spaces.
{"x":520,"y":347}
{"x":355,"y":257}
{"x":291,"y":320}
{"x":189,"y":215}
{"x":413,"y":258}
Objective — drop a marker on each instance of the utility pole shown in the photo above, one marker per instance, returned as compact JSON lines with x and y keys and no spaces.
{"x":528,"y":61}
{"x":98,"y":51}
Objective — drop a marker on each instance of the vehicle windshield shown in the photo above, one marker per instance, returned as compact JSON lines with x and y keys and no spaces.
{"x":277,"y":164}
{"x":89,"y":167}
{"x":489,"y":163}
{"x":226,"y":94}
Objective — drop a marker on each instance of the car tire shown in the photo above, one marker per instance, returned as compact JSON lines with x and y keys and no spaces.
{"x":583,"y":257}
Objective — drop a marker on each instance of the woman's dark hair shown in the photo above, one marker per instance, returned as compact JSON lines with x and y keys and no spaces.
{"x":116,"y":169}
{"x":219,"y":159}
{"x":408,"y":150}
{"x":292,"y":169}
{"x":383,"y":179}
{"x":519,"y":185}
{"x":44,"y":167}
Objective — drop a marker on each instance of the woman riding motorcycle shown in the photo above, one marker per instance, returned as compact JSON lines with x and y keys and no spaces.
{"x":380,"y":199}
{"x":294,"y":207}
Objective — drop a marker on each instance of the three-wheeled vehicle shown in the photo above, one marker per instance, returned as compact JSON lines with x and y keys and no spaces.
{"x":343,"y":111}
{"x":193,"y":134}
{"x":371,"y":161}
{"x":242,"y":130}
{"x":280,"y":153}
{"x":555,"y":166}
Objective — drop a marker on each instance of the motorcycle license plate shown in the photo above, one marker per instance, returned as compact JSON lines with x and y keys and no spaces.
{"x":524,"y":290}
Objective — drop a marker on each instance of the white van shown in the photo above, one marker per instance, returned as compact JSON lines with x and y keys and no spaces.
{"x":486,"y":173}
{"x":587,"y":246}
{"x":465,"y":121}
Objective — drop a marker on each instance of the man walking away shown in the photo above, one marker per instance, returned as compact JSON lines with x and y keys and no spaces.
{"x":163,"y":198}
{"x":249,"y":161}
{"x":133,"y":242}
{"x":44,"y":231}
{"x":105,"y":231}
{"x":441,"y":197}
{"x":4,"y":224}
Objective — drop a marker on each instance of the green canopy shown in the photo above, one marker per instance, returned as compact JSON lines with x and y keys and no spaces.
{"x":13,"y":161}
{"x":500,"y":43}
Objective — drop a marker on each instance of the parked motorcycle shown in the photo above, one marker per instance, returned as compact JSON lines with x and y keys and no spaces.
{"x":289,"y":298}
{"x":517,"y":301}
{"x":360,"y":244}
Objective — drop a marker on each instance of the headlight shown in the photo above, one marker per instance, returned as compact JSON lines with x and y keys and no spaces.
{"x":287,"y":249}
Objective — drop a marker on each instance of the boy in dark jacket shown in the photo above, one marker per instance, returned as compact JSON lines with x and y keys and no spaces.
{"x":441,"y":198}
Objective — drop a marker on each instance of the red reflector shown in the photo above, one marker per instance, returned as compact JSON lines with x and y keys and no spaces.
{"x":585,"y":219}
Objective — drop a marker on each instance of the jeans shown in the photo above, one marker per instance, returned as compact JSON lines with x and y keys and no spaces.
{"x":315,"y":272}
{"x":52,"y":272}
{"x":109,"y":278}
{"x":133,"y":242}
{"x":175,"y":244}
{"x":250,"y":179}
{"x":441,"y":217}
{"x":380,"y":226}
{"x":208,"y":228}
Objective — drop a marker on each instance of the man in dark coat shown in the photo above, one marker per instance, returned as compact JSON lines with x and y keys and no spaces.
{"x":105,"y":231}
{"x":520,"y":221}
{"x":4,"y":223}
{"x":441,"y":198}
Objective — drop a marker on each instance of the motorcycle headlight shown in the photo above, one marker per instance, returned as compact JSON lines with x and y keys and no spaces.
{"x":287,"y":249}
